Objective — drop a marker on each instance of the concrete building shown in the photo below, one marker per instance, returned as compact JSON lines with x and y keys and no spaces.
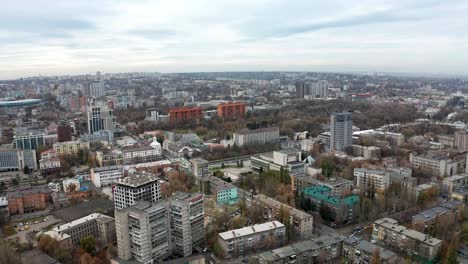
{"x":28,"y":200}
{"x":338,"y":186}
{"x":366,"y":179}
{"x":17,"y":159}
{"x":136,"y":187}
{"x":99,"y":136}
{"x":29,"y":139}
{"x":323,"y":249}
{"x":369,"y":152}
{"x":141,"y":154}
{"x":360,"y":251}
{"x":185,"y":113}
{"x":99,"y":226}
{"x":461,"y":141}
{"x":424,"y":221}
{"x":100,"y":118}
{"x":94,"y":89}
{"x":341,"y":131}
{"x":199,"y":167}
{"x":224,"y":192}
{"x":143,"y":232}
{"x":438,"y":163}
{"x":454,"y":182}
{"x":70,"y":147}
{"x":250,"y":239}
{"x":49,"y":163}
{"x":231,"y":110}
{"x":106,"y":176}
{"x":64,"y":132}
{"x":109,"y":158}
{"x":289,"y":160}
{"x":388,"y":232}
{"x":256,"y":136}
{"x":187,"y":223}
{"x":303,"y":222}
{"x":344,"y":209}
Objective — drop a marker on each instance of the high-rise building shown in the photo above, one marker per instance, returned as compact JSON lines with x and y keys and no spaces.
{"x":136,"y":187}
{"x":300,"y":90}
{"x":94,"y":89}
{"x":100,"y":118}
{"x":341,"y":131}
{"x":149,"y":232}
{"x":461,"y":141}
{"x":143,"y":233}
{"x":187,"y":223}
{"x":318,"y":89}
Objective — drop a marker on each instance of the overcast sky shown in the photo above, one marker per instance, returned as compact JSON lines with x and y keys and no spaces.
{"x":53,"y":37}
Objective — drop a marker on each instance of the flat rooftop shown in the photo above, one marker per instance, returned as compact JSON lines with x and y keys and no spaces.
{"x":137,"y":179}
{"x":250,"y":230}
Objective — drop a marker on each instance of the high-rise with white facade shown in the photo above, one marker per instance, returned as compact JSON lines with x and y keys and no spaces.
{"x":94,"y":89}
{"x":137,"y":187}
{"x":318,"y":89}
{"x":341,"y":131}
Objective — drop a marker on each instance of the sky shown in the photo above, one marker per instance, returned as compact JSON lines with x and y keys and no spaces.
{"x":55,"y":37}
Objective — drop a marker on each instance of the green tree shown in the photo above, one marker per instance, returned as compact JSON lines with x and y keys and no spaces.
{"x":88,"y":244}
{"x":26,"y":169}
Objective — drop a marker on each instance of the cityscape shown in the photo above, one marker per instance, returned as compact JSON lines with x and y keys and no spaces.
{"x":115,"y":163}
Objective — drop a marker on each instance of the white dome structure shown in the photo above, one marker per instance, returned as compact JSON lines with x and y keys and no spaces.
{"x":156,"y":145}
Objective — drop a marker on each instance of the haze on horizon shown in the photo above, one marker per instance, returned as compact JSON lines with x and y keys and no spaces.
{"x":45,"y":37}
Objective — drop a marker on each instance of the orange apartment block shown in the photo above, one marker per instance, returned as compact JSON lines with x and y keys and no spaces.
{"x":185,"y":113}
{"x":231,"y":110}
{"x":28,"y":200}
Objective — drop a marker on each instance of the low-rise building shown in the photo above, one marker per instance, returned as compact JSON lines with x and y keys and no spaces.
{"x":360,"y":251}
{"x":338,"y":186}
{"x":17,"y":159}
{"x":224,"y":192}
{"x":109,"y":158}
{"x":250,"y":239}
{"x":367,"y":152}
{"x":49,"y":163}
{"x":366,"y":179}
{"x":105,"y":176}
{"x":28,"y":200}
{"x":71,"y":185}
{"x":343,"y":209}
{"x":256,"y":136}
{"x":303,"y":222}
{"x":199,"y":167}
{"x":454,"y":182}
{"x":140,"y":155}
{"x":70,"y":147}
{"x":388,"y":232}
{"x":437,"y":163}
{"x":424,"y":221}
{"x":289,"y":160}
{"x":99,"y":226}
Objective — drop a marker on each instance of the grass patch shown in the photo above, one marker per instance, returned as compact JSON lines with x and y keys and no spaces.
{"x":9,"y":230}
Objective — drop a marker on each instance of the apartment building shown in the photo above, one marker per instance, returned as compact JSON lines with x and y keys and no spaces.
{"x":99,"y":226}
{"x":388,"y":232}
{"x":366,"y":179}
{"x":256,"y":136}
{"x":136,"y":187}
{"x":360,"y":251}
{"x":341,"y":131}
{"x":199,"y":167}
{"x":143,"y":233}
{"x":106,"y":176}
{"x":16,"y":159}
{"x":140,"y":155}
{"x":250,"y":239}
{"x":231,"y":110}
{"x":28,"y":200}
{"x":367,"y":152}
{"x":303,"y":222}
{"x":424,"y":221}
{"x":454,"y":182}
{"x":187,"y":223}
{"x":437,"y":163}
{"x":185,"y":113}
{"x":70,"y":147}
{"x":461,"y":141}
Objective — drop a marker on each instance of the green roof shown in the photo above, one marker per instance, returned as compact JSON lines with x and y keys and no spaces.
{"x":323,"y":193}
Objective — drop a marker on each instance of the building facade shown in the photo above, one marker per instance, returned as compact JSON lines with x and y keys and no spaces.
{"x":231,"y":110}
{"x":100,"y":118}
{"x":70,"y":147}
{"x":185,"y":113}
{"x":29,"y":139}
{"x":28,"y":200}
{"x":250,"y":239}
{"x":341,"y":131}
{"x":17,"y":160}
{"x":256,"y":136}
{"x":436,"y":163}
{"x":136,"y":187}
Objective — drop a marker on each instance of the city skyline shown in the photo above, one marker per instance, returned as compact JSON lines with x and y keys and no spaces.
{"x":182,"y":36}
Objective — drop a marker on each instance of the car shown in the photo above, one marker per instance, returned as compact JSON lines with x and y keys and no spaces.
{"x":205,"y":249}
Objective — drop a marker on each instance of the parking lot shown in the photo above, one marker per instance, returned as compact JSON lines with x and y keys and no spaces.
{"x":23,"y":227}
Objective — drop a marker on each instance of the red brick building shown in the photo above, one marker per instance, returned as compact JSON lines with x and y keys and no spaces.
{"x":185,"y":113}
{"x":28,"y":200}
{"x":231,"y":110}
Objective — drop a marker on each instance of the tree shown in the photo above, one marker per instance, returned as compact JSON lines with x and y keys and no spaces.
{"x":71,"y":187}
{"x":88,"y":244}
{"x":375,"y":259}
{"x":26,"y":169}
{"x":15,"y":181}
{"x":325,"y":212}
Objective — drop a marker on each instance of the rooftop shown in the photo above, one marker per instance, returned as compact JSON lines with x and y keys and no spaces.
{"x":250,"y":230}
{"x":368,"y":247}
{"x":137,"y":179}
{"x":323,"y":193}
{"x":272,"y":202}
{"x":258,"y":130}
{"x":393,"y":225}
{"x":91,"y":217}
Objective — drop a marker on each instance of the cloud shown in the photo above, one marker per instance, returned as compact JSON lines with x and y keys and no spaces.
{"x":74,"y":37}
